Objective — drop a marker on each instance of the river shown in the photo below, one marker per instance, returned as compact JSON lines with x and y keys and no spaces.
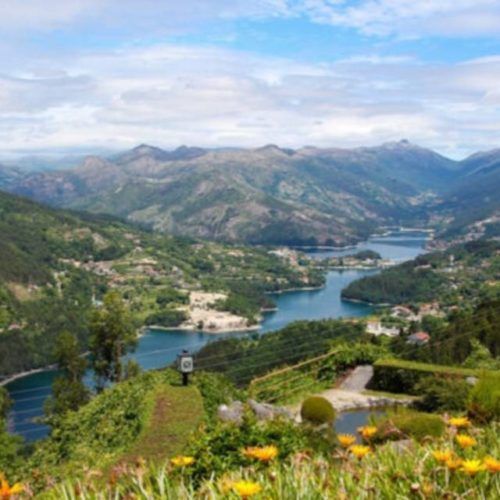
{"x":159,"y":348}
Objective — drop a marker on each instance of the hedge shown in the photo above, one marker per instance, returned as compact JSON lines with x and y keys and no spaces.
{"x":395,"y":375}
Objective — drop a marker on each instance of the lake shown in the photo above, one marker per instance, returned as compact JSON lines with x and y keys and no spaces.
{"x":157,"y":349}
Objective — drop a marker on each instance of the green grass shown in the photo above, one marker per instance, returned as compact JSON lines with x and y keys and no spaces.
{"x":387,"y":472}
{"x":174,"y":414}
{"x":385,"y":394}
{"x":427,"y":367}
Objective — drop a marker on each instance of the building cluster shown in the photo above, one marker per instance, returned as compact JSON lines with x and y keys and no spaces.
{"x":408,"y":315}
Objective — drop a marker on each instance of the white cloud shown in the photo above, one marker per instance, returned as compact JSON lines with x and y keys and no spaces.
{"x":66,"y":96}
{"x":407,"y":18}
{"x":173,"y":94}
{"x":404,"y":18}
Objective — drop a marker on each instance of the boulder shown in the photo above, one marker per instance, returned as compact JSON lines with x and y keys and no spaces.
{"x":263,"y":411}
{"x":231,"y":413}
{"x":266,"y":411}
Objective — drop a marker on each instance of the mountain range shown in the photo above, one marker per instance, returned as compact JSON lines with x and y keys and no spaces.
{"x":273,"y":195}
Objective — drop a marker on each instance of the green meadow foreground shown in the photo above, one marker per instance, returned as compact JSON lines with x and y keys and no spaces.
{"x":149,"y":437}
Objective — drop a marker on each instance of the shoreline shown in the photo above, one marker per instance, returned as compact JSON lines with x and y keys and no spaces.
{"x":366,"y":302}
{"x":385,"y":232}
{"x":252,"y":328}
{"x":296,"y":289}
{"x":16,"y":376}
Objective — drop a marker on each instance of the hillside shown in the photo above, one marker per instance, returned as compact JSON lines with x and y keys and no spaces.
{"x":473,"y":204}
{"x":120,"y":446}
{"x":263,"y":195}
{"x":464,"y":272}
{"x":55,"y":265}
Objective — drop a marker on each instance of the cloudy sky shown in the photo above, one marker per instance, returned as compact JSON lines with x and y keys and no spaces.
{"x":110,"y":74}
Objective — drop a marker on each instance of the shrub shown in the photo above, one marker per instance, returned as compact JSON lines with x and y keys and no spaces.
{"x":317,"y":410}
{"x":167,"y":318}
{"x":218,"y":448}
{"x":396,"y":375}
{"x":484,"y":402}
{"x":408,"y":423}
{"x":442,"y":393}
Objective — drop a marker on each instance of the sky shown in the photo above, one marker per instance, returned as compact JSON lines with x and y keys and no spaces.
{"x":82,"y":75}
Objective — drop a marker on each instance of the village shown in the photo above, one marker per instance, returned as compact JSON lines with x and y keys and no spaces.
{"x":399,"y":319}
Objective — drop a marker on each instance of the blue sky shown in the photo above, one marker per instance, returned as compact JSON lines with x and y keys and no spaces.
{"x":83,"y":74}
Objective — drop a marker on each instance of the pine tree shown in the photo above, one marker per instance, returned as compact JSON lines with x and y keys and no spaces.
{"x":68,"y":390}
{"x":112,"y":336}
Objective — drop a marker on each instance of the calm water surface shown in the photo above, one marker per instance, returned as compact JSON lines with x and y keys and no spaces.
{"x":157,"y":349}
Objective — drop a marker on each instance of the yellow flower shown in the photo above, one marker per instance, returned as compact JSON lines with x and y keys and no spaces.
{"x":182,"y":461}
{"x":472,"y":467}
{"x":262,"y":453}
{"x":459,"y":422}
{"x":367,"y":431}
{"x":7,"y":491}
{"x":454,"y":463}
{"x":442,"y":455}
{"x":359,"y":451}
{"x":247,"y":489}
{"x":346,"y":440}
{"x":465,"y":441}
{"x":492,"y":464}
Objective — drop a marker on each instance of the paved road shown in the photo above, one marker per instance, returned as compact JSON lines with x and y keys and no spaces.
{"x":358,"y":379}
{"x":349,"y":395}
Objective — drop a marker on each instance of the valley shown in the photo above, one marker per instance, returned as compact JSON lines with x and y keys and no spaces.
{"x":158,"y":348}
{"x":285,"y":314}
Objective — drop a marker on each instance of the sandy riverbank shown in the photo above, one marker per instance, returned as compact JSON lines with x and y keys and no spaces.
{"x":203,"y":316}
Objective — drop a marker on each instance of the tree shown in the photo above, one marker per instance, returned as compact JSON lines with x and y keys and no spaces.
{"x":9,"y":445}
{"x":480,"y":357}
{"x":68,"y":390}
{"x":5,"y":403}
{"x":112,"y":335}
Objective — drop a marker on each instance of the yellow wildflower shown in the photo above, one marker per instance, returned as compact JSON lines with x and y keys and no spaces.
{"x":459,"y":422}
{"x":492,"y":464}
{"x":346,"y":440}
{"x":247,"y":489}
{"x":182,"y":461}
{"x":465,"y":441}
{"x":454,"y":463}
{"x":472,"y":467}
{"x":262,"y":453}
{"x":7,"y":491}
{"x":367,"y":431}
{"x":442,"y":455}
{"x":359,"y":451}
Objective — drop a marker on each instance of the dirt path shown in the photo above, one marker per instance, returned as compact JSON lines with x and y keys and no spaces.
{"x":349,"y":395}
{"x":358,"y":379}
{"x":176,"y":413}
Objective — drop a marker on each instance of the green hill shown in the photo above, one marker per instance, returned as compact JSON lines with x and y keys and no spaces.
{"x":463,"y":272}
{"x":56,"y":264}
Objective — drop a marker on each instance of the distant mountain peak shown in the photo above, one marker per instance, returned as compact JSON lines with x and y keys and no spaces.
{"x":146,"y":148}
{"x":273,"y":148}
{"x":402,"y":144}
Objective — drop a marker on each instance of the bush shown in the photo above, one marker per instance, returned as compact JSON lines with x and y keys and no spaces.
{"x":395,"y":375}
{"x":407,"y":423}
{"x":167,"y":318}
{"x":317,"y":410}
{"x":442,"y":393}
{"x":484,"y":403}
{"x":218,"y":448}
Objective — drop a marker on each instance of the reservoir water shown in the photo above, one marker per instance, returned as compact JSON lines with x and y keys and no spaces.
{"x":157,"y":349}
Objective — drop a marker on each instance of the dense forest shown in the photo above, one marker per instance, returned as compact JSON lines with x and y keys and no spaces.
{"x":242,"y":359}
{"x":453,"y":341}
{"x":462,"y":271}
